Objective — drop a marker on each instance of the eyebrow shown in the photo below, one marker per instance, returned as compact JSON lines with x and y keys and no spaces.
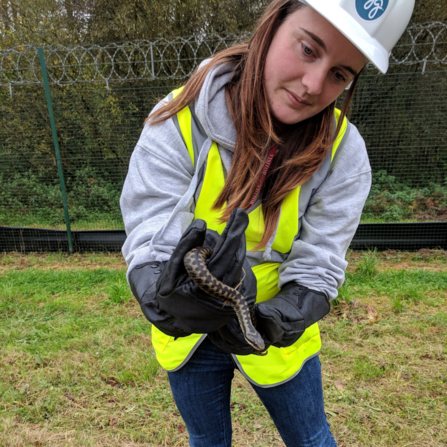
{"x":316,"y":38}
{"x":350,"y":69}
{"x":323,"y":45}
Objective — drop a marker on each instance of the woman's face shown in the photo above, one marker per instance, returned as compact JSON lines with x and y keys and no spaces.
{"x":309,"y":64}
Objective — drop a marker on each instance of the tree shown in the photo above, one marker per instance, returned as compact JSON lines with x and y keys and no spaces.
{"x":68,"y":22}
{"x":430,"y":11}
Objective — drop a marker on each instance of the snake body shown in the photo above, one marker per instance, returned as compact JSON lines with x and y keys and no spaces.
{"x":195,"y":264}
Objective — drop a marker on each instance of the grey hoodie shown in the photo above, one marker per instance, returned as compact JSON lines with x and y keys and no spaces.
{"x":158,"y":196}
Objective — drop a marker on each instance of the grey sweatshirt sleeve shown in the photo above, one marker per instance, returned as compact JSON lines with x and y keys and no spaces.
{"x":158,"y":180}
{"x":317,"y":258}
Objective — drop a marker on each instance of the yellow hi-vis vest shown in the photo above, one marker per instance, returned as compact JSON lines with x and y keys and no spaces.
{"x":280,"y":364}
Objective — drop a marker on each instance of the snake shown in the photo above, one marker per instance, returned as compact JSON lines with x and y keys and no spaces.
{"x":195,"y":264}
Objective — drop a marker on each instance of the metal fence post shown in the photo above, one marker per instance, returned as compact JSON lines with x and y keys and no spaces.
{"x":152,"y":62}
{"x":56,"y":147}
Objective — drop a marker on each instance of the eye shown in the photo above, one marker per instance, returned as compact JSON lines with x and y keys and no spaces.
{"x":339,"y":77}
{"x":307,"y":50}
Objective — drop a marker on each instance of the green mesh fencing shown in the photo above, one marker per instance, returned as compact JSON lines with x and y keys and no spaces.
{"x":101,"y":96}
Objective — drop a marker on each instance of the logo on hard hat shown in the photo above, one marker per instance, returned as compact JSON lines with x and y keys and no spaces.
{"x":371,"y":9}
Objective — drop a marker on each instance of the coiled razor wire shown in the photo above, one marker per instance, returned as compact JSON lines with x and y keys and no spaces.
{"x":161,"y":59}
{"x":164,"y":59}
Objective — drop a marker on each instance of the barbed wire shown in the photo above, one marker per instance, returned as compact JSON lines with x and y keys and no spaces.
{"x":164,"y":59}
{"x":161,"y":59}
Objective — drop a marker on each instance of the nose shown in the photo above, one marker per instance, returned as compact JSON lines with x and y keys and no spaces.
{"x":314,"y":78}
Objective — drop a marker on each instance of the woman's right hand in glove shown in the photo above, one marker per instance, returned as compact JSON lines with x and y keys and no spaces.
{"x":174,"y":303}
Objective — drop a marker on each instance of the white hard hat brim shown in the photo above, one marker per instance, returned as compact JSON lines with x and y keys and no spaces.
{"x":353,"y":31}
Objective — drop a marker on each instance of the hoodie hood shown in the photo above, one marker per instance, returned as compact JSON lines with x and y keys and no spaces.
{"x":211,"y":106}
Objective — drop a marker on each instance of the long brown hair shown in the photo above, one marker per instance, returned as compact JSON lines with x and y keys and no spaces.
{"x":303,"y":146}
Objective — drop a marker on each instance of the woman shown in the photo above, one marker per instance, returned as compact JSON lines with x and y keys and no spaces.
{"x":252,"y":160}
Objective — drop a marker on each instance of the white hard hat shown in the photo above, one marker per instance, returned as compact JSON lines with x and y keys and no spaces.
{"x":373,"y":26}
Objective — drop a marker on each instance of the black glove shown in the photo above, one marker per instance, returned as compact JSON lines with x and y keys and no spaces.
{"x":180,"y":297}
{"x":143,"y":282}
{"x":178,"y":307}
{"x":230,"y":339}
{"x":284,"y":318}
{"x":281,"y":320}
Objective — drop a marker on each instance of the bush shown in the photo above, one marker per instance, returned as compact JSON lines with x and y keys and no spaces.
{"x":27,"y":198}
{"x":90,"y":197}
{"x":393,"y":201}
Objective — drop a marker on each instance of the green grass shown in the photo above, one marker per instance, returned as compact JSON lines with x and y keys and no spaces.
{"x":367,"y":267}
{"x":102,"y":222}
{"x":78,"y":367}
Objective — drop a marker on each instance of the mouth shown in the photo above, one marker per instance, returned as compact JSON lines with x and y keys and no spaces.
{"x":296,"y":100}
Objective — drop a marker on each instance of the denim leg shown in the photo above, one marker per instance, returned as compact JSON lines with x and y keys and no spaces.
{"x":202,"y":391}
{"x":297,"y":408}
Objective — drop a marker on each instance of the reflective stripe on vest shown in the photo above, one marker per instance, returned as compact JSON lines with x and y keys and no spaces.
{"x":184,"y":117}
{"x":280,"y":364}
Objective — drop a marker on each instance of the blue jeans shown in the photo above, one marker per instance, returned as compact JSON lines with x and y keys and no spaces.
{"x":201,"y":391}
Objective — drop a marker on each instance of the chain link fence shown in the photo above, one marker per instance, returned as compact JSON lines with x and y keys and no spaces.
{"x":102,"y":94}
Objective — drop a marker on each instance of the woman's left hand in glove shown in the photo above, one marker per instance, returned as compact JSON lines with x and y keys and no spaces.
{"x":284,"y":318}
{"x":281,"y":320}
